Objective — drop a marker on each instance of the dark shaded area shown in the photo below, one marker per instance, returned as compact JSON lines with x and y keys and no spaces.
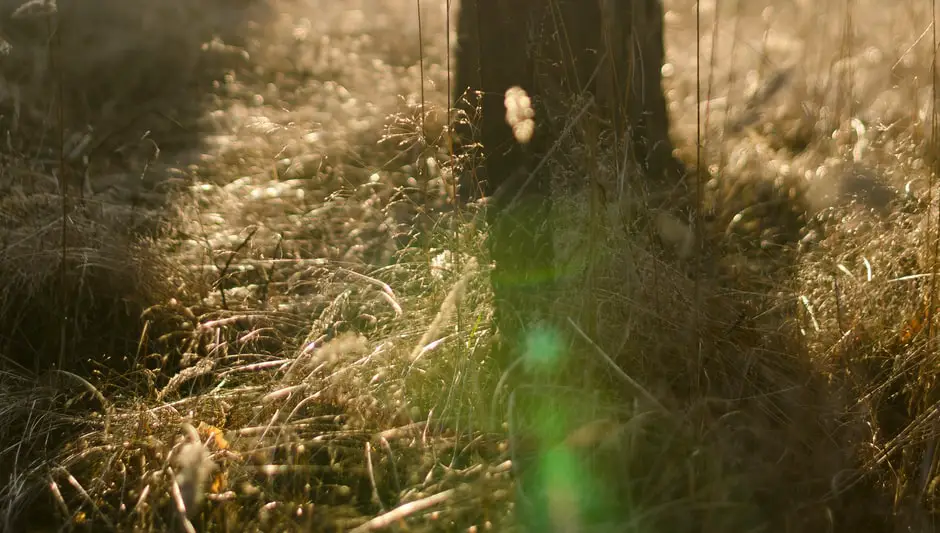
{"x":105,"y":101}
{"x":561,"y":53}
{"x":590,"y":67}
{"x":126,"y":73}
{"x":102,"y":100}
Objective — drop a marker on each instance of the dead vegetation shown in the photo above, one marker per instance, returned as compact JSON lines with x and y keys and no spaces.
{"x":274,"y":320}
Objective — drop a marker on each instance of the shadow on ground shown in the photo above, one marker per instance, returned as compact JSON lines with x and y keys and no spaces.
{"x":104,"y":105}
{"x":105,"y":101}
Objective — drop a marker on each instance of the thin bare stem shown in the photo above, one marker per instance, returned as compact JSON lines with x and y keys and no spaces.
{"x":403,"y":511}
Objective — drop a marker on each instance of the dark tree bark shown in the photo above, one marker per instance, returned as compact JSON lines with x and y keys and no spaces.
{"x":611,"y":50}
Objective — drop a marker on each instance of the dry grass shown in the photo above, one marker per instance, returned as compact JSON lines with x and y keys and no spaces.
{"x":315,"y":318}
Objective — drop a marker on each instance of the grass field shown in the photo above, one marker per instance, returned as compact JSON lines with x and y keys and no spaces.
{"x":235,"y":294}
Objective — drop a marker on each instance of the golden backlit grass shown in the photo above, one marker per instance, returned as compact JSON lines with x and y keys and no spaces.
{"x":316,"y":319}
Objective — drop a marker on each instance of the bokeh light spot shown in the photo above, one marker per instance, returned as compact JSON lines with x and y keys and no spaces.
{"x":543,"y":348}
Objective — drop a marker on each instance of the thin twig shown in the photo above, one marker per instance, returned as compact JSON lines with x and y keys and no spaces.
{"x":55,"y":47}
{"x":403,"y":511}
{"x":384,"y":287}
{"x":180,"y":504}
{"x":95,"y":392}
{"x":228,"y":263}
{"x":81,"y":490}
{"x":59,"y":500}
{"x":371,"y":471}
{"x":142,"y":500}
{"x":639,"y":389}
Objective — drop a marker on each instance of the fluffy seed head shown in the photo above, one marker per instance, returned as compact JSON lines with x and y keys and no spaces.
{"x":519,"y":114}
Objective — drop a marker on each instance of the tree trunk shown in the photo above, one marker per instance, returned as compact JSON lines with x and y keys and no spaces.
{"x":555,"y":50}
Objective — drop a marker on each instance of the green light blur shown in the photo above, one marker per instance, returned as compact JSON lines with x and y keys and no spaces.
{"x":543,"y":349}
{"x":560,"y":485}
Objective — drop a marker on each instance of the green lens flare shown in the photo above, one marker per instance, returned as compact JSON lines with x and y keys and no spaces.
{"x":564,"y":493}
{"x":543,"y":349}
